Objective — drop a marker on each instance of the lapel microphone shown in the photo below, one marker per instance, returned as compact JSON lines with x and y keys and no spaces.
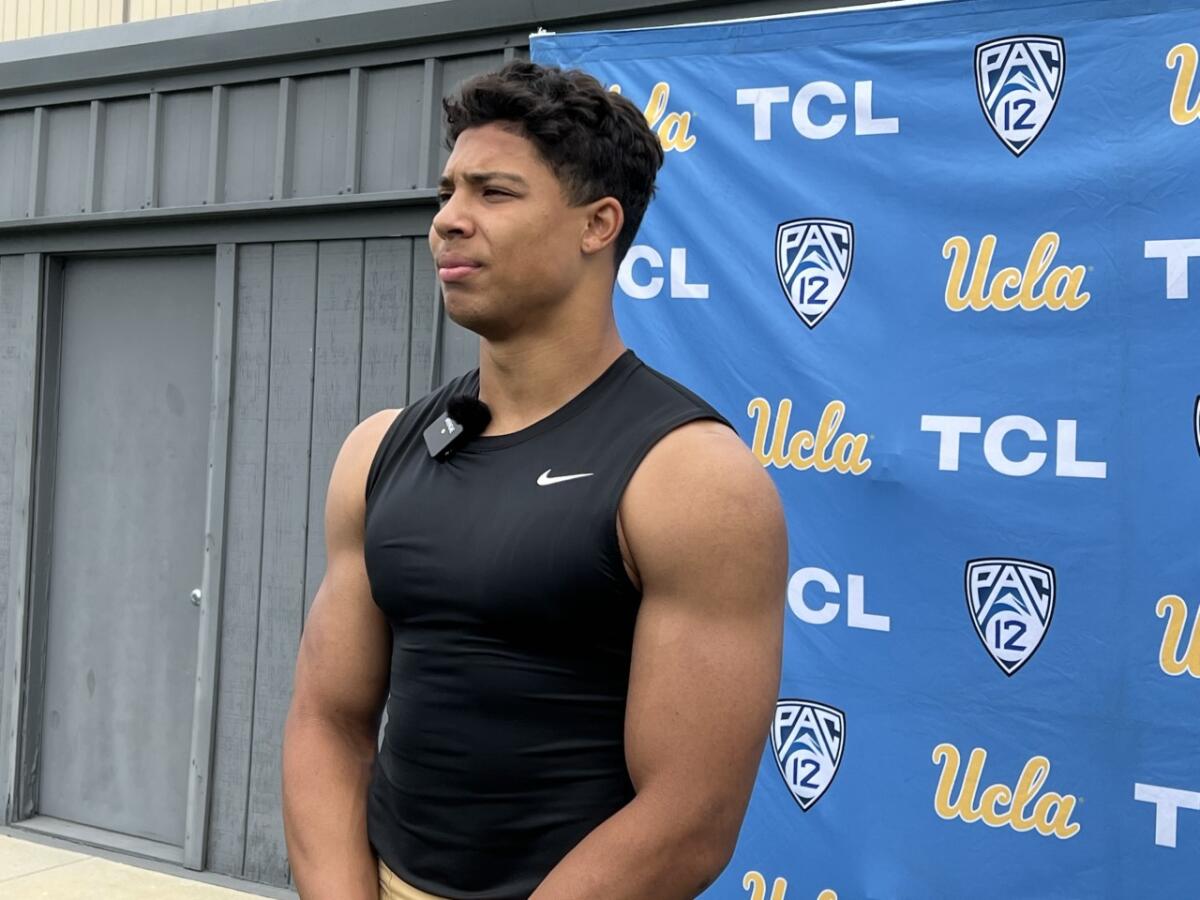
{"x":464,"y":418}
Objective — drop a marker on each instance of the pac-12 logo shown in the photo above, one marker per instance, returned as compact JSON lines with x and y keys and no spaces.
{"x":1011,"y":602}
{"x":1019,"y":80}
{"x":807,"y":738}
{"x":812,"y":259}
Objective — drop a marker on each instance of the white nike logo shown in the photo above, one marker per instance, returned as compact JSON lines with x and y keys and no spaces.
{"x":545,"y":478}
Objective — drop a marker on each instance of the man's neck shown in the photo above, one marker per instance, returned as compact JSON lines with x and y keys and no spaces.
{"x":524,"y":384}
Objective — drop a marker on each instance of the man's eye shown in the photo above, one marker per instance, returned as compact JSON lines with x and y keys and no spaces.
{"x":443,"y":199}
{"x":493,"y":192}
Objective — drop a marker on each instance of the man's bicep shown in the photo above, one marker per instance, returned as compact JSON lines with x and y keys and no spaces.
{"x":706,"y":530}
{"x":345,"y":649}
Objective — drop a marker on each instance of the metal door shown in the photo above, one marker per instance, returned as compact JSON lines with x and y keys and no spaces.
{"x":127,"y":542}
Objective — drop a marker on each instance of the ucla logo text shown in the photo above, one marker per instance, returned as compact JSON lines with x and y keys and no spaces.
{"x":1067,"y":463}
{"x":824,"y":450}
{"x":756,"y":884}
{"x":1010,"y":602}
{"x":671,"y":128}
{"x":1019,"y":81}
{"x":1185,"y":57}
{"x":832,"y":96}
{"x":1000,"y":805}
{"x":1061,"y":289}
{"x":1167,"y":803}
{"x":1178,"y":655}
{"x":812,"y":260}
{"x":808,"y":738}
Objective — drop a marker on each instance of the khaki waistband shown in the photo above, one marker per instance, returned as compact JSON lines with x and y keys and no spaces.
{"x":393,"y":887}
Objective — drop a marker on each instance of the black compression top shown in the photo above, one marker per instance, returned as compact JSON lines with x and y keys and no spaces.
{"x":512,"y":622}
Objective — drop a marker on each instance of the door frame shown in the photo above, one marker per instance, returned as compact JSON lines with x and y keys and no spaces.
{"x":25,"y":675}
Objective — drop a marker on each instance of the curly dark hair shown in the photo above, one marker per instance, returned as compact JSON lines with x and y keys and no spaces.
{"x":597,"y":142}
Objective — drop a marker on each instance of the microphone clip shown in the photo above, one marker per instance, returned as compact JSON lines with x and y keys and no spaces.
{"x":464,"y":418}
{"x":442,"y":435}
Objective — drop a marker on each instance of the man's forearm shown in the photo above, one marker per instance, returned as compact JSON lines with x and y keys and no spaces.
{"x":326,"y":774}
{"x":641,"y":851}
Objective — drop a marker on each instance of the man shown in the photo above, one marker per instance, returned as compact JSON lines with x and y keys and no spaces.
{"x":575,"y":618}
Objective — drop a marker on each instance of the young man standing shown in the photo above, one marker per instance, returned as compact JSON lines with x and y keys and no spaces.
{"x":574,"y":618}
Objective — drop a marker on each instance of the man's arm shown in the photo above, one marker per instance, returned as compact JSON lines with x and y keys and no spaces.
{"x":706,"y":531}
{"x":340,"y":687}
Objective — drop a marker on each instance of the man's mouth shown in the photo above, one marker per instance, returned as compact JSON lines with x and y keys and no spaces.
{"x":452,"y":267}
{"x":456,"y":273}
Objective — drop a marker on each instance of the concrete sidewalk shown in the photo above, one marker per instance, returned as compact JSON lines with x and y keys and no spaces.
{"x":37,"y":870}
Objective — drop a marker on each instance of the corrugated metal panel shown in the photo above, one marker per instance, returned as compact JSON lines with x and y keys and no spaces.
{"x":284,"y":527}
{"x":123,"y":158}
{"x":184,"y":135}
{"x":32,"y":18}
{"x":243,"y":549}
{"x":19,"y":329}
{"x":322,"y":122}
{"x":336,"y":375}
{"x":16,"y":145}
{"x":360,"y":130}
{"x":322,"y":336}
{"x":12,"y":338}
{"x":391,"y":141}
{"x":387,"y":324}
{"x":66,"y":158}
{"x":250,"y":142}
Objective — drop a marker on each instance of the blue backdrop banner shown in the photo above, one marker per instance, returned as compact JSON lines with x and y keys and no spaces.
{"x":936,"y":263}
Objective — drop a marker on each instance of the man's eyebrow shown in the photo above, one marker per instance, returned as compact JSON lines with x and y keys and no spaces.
{"x":480,"y":177}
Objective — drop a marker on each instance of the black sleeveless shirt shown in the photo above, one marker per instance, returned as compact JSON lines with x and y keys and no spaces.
{"x":512,"y":622}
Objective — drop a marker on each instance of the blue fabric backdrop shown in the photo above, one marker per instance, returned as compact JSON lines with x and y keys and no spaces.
{"x":933,"y":261}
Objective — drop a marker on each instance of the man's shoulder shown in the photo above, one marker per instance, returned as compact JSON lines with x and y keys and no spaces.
{"x":705,"y":455}
{"x":366,"y":436}
{"x":699,"y":476}
{"x":700,"y":499}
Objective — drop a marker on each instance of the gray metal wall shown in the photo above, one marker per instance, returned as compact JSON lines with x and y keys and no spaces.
{"x":328,"y":333}
{"x":307,"y":140}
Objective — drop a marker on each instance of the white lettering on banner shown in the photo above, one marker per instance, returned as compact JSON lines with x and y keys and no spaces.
{"x":803,"y":120}
{"x":1167,"y":801}
{"x":628,"y":281}
{"x":856,"y":614}
{"x":1067,"y":462}
{"x":1177,"y":254}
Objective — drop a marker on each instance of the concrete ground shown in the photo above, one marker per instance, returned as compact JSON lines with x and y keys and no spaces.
{"x":33,"y":868}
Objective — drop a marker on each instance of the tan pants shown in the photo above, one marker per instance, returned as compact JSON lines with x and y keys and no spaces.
{"x":391,"y":887}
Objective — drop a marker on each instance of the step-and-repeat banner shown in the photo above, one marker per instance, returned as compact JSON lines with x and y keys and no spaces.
{"x":938,"y":263}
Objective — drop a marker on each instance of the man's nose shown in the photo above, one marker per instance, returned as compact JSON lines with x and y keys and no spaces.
{"x":451,"y":220}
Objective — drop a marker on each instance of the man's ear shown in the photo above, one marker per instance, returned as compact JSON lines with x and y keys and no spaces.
{"x":605,"y":219}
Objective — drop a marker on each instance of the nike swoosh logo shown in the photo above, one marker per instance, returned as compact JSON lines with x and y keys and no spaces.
{"x":545,"y":478}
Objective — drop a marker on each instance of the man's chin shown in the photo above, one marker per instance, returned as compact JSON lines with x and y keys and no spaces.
{"x":466,"y":311}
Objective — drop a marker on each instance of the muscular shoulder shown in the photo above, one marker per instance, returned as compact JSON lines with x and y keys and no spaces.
{"x":699,"y":491}
{"x":367,"y":434}
{"x":363,"y":441}
{"x":347,"y":482}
